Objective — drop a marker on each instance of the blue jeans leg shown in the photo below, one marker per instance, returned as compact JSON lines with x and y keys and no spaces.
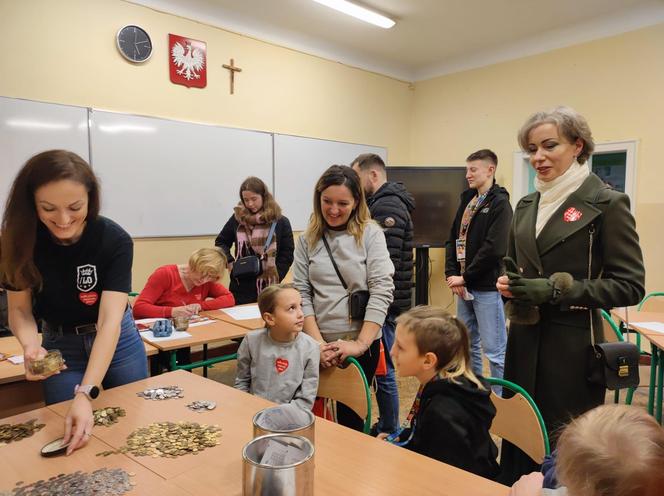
{"x":466,"y":314}
{"x":128,"y":364}
{"x":387,"y":394}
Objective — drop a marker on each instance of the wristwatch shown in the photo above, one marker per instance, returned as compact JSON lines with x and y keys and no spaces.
{"x":92,"y":392}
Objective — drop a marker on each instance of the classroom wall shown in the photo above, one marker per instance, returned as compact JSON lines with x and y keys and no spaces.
{"x":616,"y":83}
{"x":67,"y":55}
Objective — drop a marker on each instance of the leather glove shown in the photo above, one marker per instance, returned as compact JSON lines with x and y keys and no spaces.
{"x":531,"y":291}
{"x":511,"y":269}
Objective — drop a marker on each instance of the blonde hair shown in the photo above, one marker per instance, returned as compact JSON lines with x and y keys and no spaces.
{"x":267,"y":300}
{"x":437,"y":332}
{"x":210,"y":262}
{"x":614,"y":450}
{"x":571,"y":125}
{"x":339,"y":175}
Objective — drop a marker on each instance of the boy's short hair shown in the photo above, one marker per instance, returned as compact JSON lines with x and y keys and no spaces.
{"x":210,"y":262}
{"x":484,"y":154}
{"x":267,"y":300}
{"x":615,"y":450}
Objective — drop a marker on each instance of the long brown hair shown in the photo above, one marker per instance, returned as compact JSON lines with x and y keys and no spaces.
{"x":339,"y":175}
{"x":271,"y":209}
{"x":20,"y":220}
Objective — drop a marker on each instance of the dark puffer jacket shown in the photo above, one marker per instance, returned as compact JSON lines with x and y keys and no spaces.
{"x":391,"y":206}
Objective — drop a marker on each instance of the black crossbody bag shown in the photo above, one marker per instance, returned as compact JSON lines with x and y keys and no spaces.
{"x":613,"y":365}
{"x":357,"y":300}
{"x":251,"y":266}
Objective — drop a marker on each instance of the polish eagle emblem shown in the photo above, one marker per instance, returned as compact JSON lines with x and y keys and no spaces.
{"x":189,"y":60}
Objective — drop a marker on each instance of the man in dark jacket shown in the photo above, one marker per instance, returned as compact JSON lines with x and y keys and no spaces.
{"x":474,"y":252}
{"x":390,"y":205}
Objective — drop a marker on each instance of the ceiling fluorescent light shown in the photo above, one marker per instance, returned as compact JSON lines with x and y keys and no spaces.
{"x":358,"y":12}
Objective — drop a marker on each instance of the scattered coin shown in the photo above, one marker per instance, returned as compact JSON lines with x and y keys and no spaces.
{"x":162,"y":393}
{"x":169,"y":440}
{"x":16,"y":432}
{"x":108,"y":416}
{"x":202,"y":406}
{"x":110,"y":482}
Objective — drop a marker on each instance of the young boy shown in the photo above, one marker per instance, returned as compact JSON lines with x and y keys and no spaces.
{"x":452,"y":412}
{"x":279,"y":363}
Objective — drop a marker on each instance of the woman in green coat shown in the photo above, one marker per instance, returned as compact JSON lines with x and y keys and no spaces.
{"x":576,"y":227}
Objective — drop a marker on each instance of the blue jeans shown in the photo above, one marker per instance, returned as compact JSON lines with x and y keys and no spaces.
{"x":128,"y":364}
{"x":485,"y":319}
{"x":387,"y":394}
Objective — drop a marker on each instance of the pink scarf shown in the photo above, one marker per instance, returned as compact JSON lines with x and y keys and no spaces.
{"x":251,"y":237}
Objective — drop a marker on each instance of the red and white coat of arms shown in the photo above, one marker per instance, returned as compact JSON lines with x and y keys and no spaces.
{"x":187,"y":61}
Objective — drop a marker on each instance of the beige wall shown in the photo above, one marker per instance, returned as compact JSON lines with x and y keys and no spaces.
{"x":617,"y":83}
{"x":67,"y":55}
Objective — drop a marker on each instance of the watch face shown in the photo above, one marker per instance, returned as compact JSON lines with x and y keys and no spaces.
{"x":134,"y":43}
{"x":94,"y":392}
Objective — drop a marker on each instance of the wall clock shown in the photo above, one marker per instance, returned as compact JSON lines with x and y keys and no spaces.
{"x":134,"y":43}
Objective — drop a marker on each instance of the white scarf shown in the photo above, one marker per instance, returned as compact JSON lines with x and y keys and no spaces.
{"x":554,"y":193}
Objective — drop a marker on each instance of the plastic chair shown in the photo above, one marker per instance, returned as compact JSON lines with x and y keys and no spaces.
{"x":350,"y":387}
{"x":519,"y":421}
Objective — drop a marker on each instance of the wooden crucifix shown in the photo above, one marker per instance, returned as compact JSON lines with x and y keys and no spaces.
{"x":232,"y":70}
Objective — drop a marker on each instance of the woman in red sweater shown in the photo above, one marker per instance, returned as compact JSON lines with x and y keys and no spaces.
{"x":184,"y":290}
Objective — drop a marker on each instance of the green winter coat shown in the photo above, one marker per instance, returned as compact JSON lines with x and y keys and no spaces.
{"x":549,"y":359}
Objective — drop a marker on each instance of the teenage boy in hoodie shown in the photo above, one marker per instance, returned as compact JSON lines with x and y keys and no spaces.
{"x":390,"y":205}
{"x":452,"y":412}
{"x":474,"y":253}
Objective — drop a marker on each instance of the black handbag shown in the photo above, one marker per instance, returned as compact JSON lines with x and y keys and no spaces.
{"x":612,"y":365}
{"x":357,"y":300}
{"x":251,"y":266}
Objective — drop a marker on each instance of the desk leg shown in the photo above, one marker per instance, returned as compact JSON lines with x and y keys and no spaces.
{"x":205,"y":349}
{"x":174,"y":361}
{"x":654,"y":358}
{"x":660,"y":385}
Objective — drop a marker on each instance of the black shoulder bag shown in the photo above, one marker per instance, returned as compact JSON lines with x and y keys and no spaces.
{"x":613,"y":365}
{"x":357,"y":300}
{"x":251,"y":266}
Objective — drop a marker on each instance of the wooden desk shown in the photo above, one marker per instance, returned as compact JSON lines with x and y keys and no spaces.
{"x":347,"y":462}
{"x":249,"y":324}
{"x":635,"y":317}
{"x":21,"y":460}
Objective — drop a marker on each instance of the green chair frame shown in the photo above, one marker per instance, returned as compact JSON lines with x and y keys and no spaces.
{"x":515,"y":388}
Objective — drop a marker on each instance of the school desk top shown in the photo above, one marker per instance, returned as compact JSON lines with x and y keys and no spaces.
{"x":214,"y":331}
{"x":347,"y":462}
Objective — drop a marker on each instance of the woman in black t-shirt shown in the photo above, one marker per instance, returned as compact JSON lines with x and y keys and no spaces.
{"x":56,"y":251}
{"x":248,"y":228}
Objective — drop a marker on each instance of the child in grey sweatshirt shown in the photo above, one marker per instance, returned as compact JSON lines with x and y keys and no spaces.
{"x":280,"y":363}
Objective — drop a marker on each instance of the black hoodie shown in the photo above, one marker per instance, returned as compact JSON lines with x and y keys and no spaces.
{"x":391,"y":206}
{"x":452,"y":426}
{"x":486,"y":240}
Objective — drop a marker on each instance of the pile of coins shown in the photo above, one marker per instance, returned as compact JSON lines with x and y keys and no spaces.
{"x":108,"y":416}
{"x":111,"y":482}
{"x":162,"y":393}
{"x":50,"y":364}
{"x":16,"y":432}
{"x":169,"y":439}
{"x":202,"y":406}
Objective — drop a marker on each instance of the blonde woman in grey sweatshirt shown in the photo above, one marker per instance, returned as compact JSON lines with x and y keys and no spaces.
{"x":357,"y":244}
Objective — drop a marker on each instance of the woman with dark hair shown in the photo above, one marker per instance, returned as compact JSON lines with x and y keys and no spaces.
{"x":56,"y":250}
{"x":248,"y":229}
{"x":341,"y":229}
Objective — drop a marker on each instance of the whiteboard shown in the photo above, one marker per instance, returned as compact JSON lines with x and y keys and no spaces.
{"x":169,"y":178}
{"x":299,"y":163}
{"x":28,"y":128}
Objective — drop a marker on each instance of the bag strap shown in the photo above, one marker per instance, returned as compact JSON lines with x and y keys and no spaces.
{"x":336,"y":269}
{"x":591,"y":234}
{"x":269,"y":236}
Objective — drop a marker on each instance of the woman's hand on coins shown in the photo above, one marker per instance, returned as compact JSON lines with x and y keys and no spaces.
{"x":32,"y":353}
{"x":183,"y":311}
{"x":78,"y":423}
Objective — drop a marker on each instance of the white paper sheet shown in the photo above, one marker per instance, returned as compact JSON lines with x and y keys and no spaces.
{"x":203,"y":321}
{"x":147,"y":321}
{"x":283,"y":418}
{"x":651,"y":326}
{"x":243,"y":313}
{"x":16,"y":359}
{"x":176,"y":335}
{"x":278,"y":454}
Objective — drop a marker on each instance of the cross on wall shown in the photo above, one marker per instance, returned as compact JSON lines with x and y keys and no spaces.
{"x":232,"y":69}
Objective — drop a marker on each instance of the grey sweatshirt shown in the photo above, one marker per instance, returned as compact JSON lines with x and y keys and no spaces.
{"x":279,"y":372}
{"x":363,"y":267}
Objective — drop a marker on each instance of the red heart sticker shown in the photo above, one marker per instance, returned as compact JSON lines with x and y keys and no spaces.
{"x":89,"y":298}
{"x":572,"y":215}
{"x":281,"y":364}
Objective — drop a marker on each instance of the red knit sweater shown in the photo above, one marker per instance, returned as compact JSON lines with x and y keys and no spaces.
{"x":164,"y":290}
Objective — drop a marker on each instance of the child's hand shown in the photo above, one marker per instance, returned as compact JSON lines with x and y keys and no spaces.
{"x":528,"y":485}
{"x":382,"y":435}
{"x":329,"y":355}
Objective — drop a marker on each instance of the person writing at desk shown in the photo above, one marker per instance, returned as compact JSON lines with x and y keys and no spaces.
{"x":56,"y":250}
